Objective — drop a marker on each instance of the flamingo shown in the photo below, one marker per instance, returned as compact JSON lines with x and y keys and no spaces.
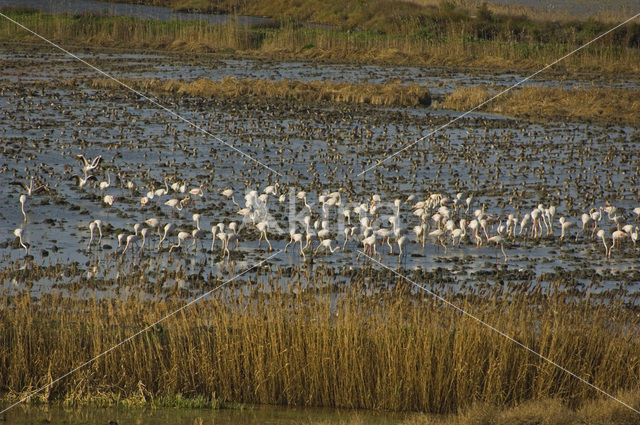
{"x":196,"y":191}
{"x":167,"y":229}
{"x":402,"y":240}
{"x":143,"y":233}
{"x":325,"y":244}
{"x":438,"y":234}
{"x":131,"y":239}
{"x":177,"y":204}
{"x":23,"y":199}
{"x":29,"y":188}
{"x":262,"y":227}
{"x":162,"y":191}
{"x":303,"y":196}
{"x":564,"y":225}
{"x":615,"y":236}
{"x":82,"y":181}
{"x":369,"y":246}
{"x":92,"y":226}
{"x":214,"y":231}
{"x":104,"y":185}
{"x":121,"y":239}
{"x":457,"y":233}
{"x":181,"y":237}
{"x":229,"y":194}
{"x":153,"y":223}
{"x":108,"y":199}
{"x":87,"y":164}
{"x":18,"y":234}
{"x":499,"y":240}
{"x":197,"y":234}
{"x":296,"y":238}
{"x":604,"y":242}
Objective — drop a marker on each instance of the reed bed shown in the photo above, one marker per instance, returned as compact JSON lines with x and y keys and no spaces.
{"x":296,"y":337}
{"x":602,"y":105}
{"x":455,"y":45}
{"x":309,"y":91}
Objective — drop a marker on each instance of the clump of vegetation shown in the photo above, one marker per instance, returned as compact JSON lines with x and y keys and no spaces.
{"x":314,"y":343}
{"x":543,"y":103}
{"x":308,"y":91}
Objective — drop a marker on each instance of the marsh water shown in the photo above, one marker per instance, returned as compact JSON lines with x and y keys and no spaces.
{"x":508,"y":166}
{"x":241,"y":415}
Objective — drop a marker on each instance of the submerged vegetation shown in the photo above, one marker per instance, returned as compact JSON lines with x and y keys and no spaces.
{"x":317,"y":343}
{"x":445,"y":36}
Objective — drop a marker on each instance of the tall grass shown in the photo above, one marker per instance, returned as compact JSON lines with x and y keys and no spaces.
{"x":456,"y":44}
{"x":315,"y":343}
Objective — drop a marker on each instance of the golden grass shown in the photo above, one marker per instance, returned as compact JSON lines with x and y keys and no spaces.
{"x":311,"y":91}
{"x":602,"y":411}
{"x":602,"y":105}
{"x":316,"y":345}
{"x":410,"y":44}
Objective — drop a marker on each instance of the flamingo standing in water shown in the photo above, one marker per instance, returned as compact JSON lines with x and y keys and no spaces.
{"x":131,"y":239}
{"x":402,"y":240}
{"x":499,"y":240}
{"x":18,"y":234}
{"x":168,"y":228}
{"x":92,"y":227}
{"x":369,"y":246}
{"x":262,"y":227}
{"x":295,"y":238}
{"x":604,"y":242}
{"x":229,"y":194}
{"x":104,"y":185}
{"x":325,"y":244}
{"x":23,"y":199}
{"x":616,"y":236}
{"x":181,"y":237}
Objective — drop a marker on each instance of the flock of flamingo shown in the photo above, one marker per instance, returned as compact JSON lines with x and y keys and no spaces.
{"x":370,"y":226}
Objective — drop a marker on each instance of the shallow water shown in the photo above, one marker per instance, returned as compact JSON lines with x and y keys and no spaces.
{"x":247,"y":415}
{"x":508,"y":165}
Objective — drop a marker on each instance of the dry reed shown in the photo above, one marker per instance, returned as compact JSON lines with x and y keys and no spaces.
{"x":308,"y":91}
{"x":316,"y":344}
{"x":602,"y":105}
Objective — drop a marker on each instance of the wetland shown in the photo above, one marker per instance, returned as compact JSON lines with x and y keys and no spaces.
{"x":308,"y":226}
